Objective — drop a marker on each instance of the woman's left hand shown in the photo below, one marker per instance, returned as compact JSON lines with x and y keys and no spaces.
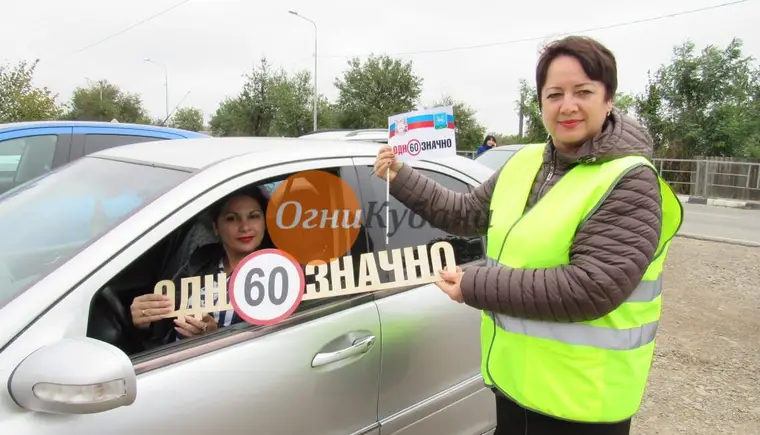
{"x":451,"y":284}
{"x":191,"y":327}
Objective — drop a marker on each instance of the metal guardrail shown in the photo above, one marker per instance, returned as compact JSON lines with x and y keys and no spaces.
{"x":711,"y":177}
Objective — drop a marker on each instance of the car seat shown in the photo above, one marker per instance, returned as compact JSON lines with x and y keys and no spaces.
{"x":36,"y":160}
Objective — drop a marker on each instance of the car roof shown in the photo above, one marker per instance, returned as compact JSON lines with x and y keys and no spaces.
{"x":373,"y":134}
{"x":368,"y":132}
{"x":199,"y":153}
{"x":98,"y":124}
{"x":326,"y":134}
{"x":512,"y":147}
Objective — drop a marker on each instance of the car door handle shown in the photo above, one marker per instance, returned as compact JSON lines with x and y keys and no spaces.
{"x":361,"y":345}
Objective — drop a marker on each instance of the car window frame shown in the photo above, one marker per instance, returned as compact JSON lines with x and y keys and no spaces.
{"x":379,"y":234}
{"x":107,"y":269}
{"x":62,"y":146}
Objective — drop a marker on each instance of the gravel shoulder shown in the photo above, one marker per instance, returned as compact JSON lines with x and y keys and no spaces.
{"x":706,"y":373}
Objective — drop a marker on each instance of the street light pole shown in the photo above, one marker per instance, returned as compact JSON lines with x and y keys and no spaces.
{"x":166,"y":83}
{"x":315,"y":65}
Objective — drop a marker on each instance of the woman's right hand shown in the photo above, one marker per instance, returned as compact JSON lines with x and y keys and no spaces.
{"x":149,"y":308}
{"x":386,"y":158}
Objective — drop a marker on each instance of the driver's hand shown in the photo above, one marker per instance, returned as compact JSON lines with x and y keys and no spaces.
{"x":190,"y":326}
{"x":149,"y":308}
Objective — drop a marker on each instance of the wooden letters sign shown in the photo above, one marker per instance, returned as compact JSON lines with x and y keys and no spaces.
{"x":190,"y":291}
{"x":410,"y":266}
{"x":343,"y":282}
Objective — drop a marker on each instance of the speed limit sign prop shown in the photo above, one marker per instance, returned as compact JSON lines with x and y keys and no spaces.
{"x":266,"y":287}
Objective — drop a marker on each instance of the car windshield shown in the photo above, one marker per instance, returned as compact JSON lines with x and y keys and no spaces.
{"x":495,"y":159}
{"x":50,"y":219}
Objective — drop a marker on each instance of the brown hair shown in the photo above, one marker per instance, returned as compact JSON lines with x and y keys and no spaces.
{"x":254,"y":192}
{"x":597,"y":62}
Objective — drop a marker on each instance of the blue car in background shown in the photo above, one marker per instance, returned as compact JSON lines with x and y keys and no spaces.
{"x":30,"y":150}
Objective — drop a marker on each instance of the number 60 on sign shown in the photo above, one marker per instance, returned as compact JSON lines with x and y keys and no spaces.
{"x":266,"y":287}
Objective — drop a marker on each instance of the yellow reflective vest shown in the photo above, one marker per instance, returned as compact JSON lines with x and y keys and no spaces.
{"x":592,"y":371}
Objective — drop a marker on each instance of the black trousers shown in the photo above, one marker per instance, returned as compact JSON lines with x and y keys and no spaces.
{"x":512,"y":419}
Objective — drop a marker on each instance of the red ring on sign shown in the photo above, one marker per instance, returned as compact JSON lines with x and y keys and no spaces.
{"x":419,"y":147}
{"x":301,"y":287}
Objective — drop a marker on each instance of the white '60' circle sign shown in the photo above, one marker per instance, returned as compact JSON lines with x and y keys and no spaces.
{"x":266,"y":287}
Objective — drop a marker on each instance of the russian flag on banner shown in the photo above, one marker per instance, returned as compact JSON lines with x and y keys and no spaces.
{"x":423,"y":134}
{"x":435,"y":121}
{"x":426,"y":134}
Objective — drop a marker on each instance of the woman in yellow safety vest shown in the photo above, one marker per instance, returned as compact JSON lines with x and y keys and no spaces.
{"x":577,"y":233}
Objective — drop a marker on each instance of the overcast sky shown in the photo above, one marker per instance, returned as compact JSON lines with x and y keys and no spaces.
{"x":207,"y":45}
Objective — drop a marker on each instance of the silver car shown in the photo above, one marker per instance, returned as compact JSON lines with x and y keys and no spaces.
{"x":80,"y":242}
{"x":377,"y":135}
{"x":497,"y":157}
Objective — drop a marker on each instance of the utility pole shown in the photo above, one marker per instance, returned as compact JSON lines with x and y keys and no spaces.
{"x":314,"y":110}
{"x":166,"y":83}
{"x":316,"y":96}
{"x":522,"y":114}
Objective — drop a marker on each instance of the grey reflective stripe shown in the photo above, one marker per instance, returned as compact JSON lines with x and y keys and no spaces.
{"x":586,"y":335}
{"x":646,"y":291}
{"x":580,"y":334}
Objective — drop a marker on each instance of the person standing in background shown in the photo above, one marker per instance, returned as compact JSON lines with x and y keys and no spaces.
{"x":577,"y":233}
{"x":488,"y":143}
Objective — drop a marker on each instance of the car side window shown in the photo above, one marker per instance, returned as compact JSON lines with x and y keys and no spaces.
{"x":495,"y":159}
{"x":193,"y":249}
{"x":98,"y":142}
{"x":409,"y":229}
{"x":25,"y":158}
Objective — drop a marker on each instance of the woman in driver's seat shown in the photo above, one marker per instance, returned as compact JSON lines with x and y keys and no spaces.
{"x":239,"y":220}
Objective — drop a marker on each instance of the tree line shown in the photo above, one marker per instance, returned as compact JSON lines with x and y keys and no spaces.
{"x":703,"y":102}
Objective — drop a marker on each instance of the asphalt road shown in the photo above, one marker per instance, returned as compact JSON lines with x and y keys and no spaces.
{"x":723,"y":222}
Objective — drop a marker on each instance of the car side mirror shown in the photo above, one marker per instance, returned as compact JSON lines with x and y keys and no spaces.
{"x":74,"y":376}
